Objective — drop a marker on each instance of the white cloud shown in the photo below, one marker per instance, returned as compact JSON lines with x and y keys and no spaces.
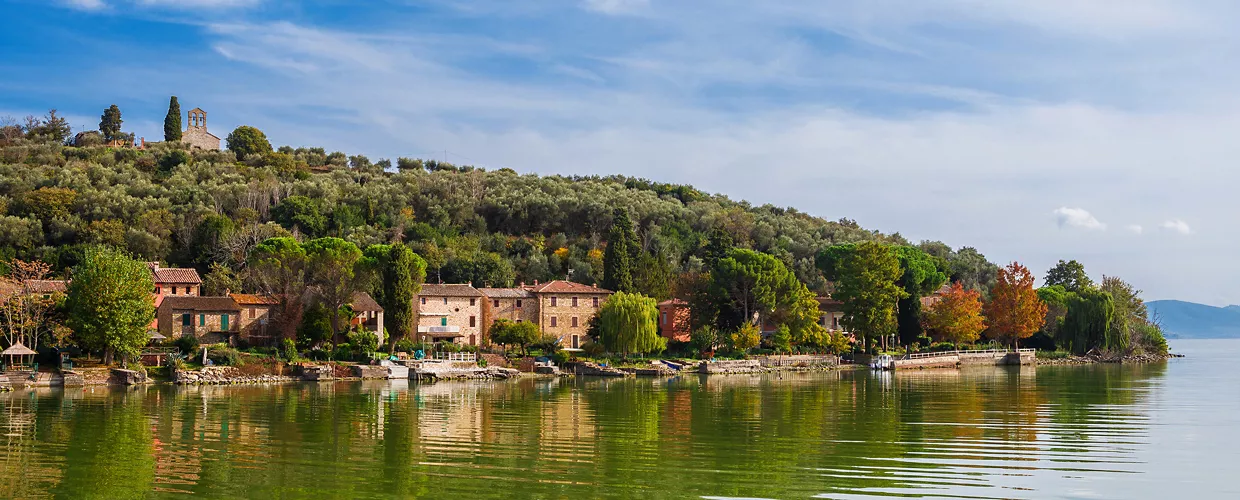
{"x":1079,"y":218}
{"x":1135,"y":228}
{"x":86,"y":4}
{"x":615,"y":6}
{"x":1177,"y":225}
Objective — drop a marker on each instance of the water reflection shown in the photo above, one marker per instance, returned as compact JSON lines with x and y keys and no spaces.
{"x":1007,"y":433}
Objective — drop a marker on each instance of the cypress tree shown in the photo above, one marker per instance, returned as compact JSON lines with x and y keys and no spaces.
{"x":402,"y":279}
{"x":110,"y":123}
{"x":172,"y":122}
{"x":617,"y":260}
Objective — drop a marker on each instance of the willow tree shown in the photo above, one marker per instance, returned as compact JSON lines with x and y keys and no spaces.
{"x":109,"y":302}
{"x":629,"y":324}
{"x":1087,"y":325}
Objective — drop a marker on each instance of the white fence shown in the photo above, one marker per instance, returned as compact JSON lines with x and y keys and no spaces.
{"x":467,"y":357}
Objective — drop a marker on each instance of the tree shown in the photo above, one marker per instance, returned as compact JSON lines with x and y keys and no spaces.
{"x":172,"y":121}
{"x":617,"y":259}
{"x":1088,"y":321}
{"x":704,"y":338}
{"x":110,"y":124}
{"x":400,"y":274}
{"x":334,"y":274}
{"x":220,"y":280}
{"x":1071,"y":275}
{"x":277,"y":268}
{"x":957,"y":316}
{"x":315,"y":327}
{"x":865,"y":280}
{"x":920,"y":275}
{"x":27,"y":317}
{"x":629,"y":324}
{"x":511,"y":333}
{"x":653,"y":276}
{"x":782,"y":340}
{"x":747,"y":284}
{"x":109,"y":303}
{"x":746,"y":337}
{"x":246,"y":140}
{"x":1014,"y":312}
{"x":52,"y":128}
{"x":302,"y":213}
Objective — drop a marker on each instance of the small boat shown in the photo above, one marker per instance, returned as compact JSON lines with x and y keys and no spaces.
{"x":882,"y":362}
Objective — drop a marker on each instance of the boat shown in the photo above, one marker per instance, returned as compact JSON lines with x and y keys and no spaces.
{"x":882,"y":362}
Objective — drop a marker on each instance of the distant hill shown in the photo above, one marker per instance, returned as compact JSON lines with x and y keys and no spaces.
{"x":1188,"y":320}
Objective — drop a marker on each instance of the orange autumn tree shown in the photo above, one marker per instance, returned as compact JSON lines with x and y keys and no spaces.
{"x":1014,"y":312}
{"x":957,"y":317}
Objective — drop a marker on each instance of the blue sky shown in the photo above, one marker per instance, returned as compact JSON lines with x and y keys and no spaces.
{"x":1099,"y":130}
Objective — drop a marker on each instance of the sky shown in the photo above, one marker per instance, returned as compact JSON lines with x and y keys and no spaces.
{"x":1097,"y":130}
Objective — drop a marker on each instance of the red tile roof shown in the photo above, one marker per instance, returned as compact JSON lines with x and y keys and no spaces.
{"x":674,"y":302}
{"x":449,"y":290}
{"x":45,"y":286}
{"x":506,"y":293}
{"x":561,"y":286}
{"x":176,"y":275}
{"x":205,"y":304}
{"x":247,"y":299}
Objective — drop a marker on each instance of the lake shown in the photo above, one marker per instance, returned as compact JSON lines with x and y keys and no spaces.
{"x":1135,"y":431}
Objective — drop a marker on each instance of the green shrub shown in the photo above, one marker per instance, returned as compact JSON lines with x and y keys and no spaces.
{"x":288,"y":349}
{"x":222,"y":354}
{"x":941,"y":347}
{"x":482,"y":363}
{"x":187,"y":344}
{"x":406,"y":345}
{"x":560,"y":358}
{"x":343,"y":352}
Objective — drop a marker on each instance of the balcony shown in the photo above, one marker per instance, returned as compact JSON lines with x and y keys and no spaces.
{"x":438,"y":329}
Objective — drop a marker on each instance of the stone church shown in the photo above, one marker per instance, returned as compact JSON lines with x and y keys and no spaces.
{"x":196,"y":134}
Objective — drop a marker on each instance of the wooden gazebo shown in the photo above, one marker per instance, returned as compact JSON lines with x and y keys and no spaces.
{"x":18,"y":355}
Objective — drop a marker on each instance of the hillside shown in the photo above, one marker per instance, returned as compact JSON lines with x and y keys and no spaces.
{"x":1190,"y":320}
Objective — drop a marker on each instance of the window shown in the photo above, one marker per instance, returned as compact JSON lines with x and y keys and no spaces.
{"x":185,"y":321}
{"x":553,"y":322}
{"x":174,"y":290}
{"x":472,"y":322}
{"x":574,"y":301}
{"x":495,"y":303}
{"x":423,"y":300}
{"x":835,"y":322}
{"x":202,"y":320}
{"x":575,"y":342}
{"x":252,"y":313}
{"x":518,"y":303}
{"x":552,"y":301}
{"x":574,"y":322}
{"x":664,"y":321}
{"x":443,"y":321}
{"x":158,"y":290}
{"x":596,"y":302}
{"x":445,"y":301}
{"x":473,"y":302}
{"x":224,"y":322}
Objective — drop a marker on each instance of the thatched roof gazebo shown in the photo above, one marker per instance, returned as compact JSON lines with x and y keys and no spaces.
{"x":18,"y":355}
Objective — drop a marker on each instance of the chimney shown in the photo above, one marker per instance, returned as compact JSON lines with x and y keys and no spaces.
{"x":594,"y":285}
{"x":535,"y":282}
{"x":227,"y":292}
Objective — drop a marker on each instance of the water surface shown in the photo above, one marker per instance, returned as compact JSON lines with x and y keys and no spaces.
{"x":1138,"y":431}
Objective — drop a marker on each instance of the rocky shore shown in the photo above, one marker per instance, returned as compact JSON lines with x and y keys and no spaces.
{"x":1090,"y":359}
{"x":224,"y":375}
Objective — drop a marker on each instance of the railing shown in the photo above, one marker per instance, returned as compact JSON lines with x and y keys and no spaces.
{"x":923,"y":355}
{"x":467,"y":357}
{"x":159,"y":351}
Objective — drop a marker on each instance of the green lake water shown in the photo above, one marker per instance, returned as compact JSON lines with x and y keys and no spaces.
{"x":1135,"y":431}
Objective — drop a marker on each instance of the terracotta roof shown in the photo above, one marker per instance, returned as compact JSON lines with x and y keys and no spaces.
{"x":449,"y":290}
{"x":248,"y":299}
{"x":673,"y":302}
{"x":45,"y":286}
{"x":507,"y":293}
{"x":829,"y":304}
{"x":176,"y":275}
{"x":362,"y":301}
{"x":199,"y":303}
{"x":561,"y":286}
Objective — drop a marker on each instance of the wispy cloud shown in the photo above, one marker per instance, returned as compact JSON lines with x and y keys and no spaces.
{"x":86,"y":4}
{"x":1135,"y":228}
{"x":1078,"y":218}
{"x":1177,"y":225}
{"x":184,"y":4}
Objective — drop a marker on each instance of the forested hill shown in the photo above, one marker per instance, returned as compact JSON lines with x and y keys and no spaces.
{"x":1190,"y":320}
{"x":206,"y":209}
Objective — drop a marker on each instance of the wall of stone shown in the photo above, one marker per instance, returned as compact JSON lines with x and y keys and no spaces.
{"x":459,"y":311}
{"x":564,"y":312}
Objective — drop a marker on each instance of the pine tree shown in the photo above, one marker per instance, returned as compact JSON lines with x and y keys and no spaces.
{"x":110,"y":123}
{"x":172,"y":122}
{"x":617,"y":260}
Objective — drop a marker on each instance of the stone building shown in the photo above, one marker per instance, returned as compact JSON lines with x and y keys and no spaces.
{"x":196,"y":134}
{"x":513,"y":304}
{"x":255,"y":317}
{"x":565,"y":309}
{"x":211,"y":319}
{"x":674,"y":320}
{"x":170,"y":281}
{"x":450,"y":313}
{"x":368,"y":314}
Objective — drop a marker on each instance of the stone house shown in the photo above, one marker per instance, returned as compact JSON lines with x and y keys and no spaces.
{"x":196,"y":134}
{"x":565,"y":309}
{"x":211,"y":319}
{"x":513,"y":304}
{"x":674,"y":320}
{"x":170,"y":281}
{"x":45,"y":288}
{"x":935,"y":297}
{"x":255,"y":317}
{"x":832,"y":314}
{"x":368,"y":314}
{"x":451,"y":313}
